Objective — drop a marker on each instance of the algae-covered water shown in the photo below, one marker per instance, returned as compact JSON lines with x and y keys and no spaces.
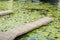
{"x":26,"y":12}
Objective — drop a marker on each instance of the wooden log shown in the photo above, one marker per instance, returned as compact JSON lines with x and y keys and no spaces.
{"x":6,"y":12}
{"x":11,"y":34}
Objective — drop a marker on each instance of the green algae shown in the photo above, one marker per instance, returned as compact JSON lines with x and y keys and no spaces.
{"x":29,"y":12}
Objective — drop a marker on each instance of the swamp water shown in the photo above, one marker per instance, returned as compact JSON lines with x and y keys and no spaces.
{"x":25,"y":12}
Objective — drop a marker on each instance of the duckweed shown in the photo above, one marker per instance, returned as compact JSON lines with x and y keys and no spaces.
{"x":29,"y":12}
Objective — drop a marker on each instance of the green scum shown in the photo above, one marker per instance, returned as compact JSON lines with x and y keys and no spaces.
{"x":29,"y":12}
